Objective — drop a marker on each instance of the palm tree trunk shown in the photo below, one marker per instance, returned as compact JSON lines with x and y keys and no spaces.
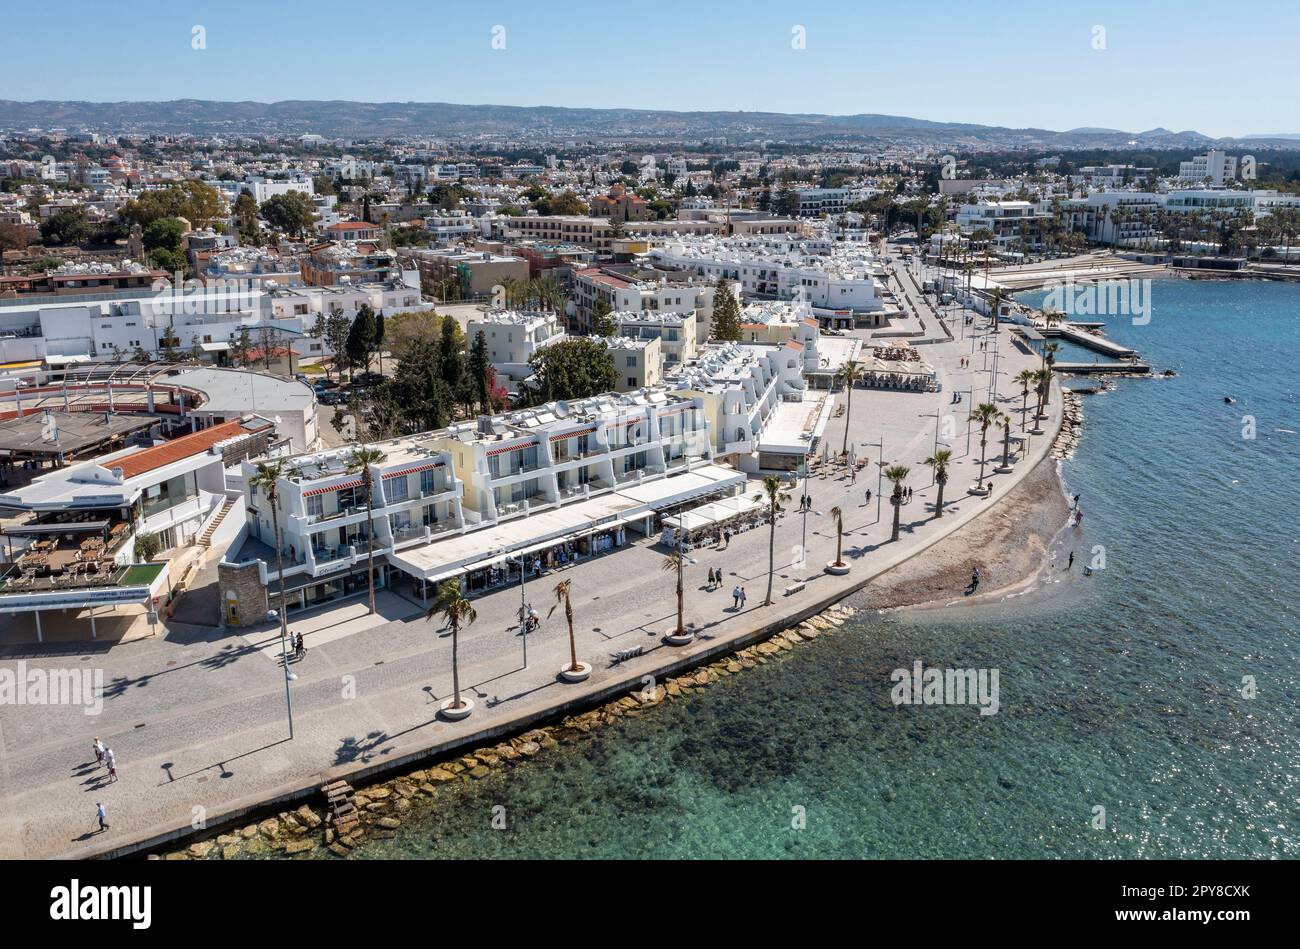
{"x":573,"y":643}
{"x":455,"y":664}
{"x":771,"y":554}
{"x":938,"y":503}
{"x":839,"y":545}
{"x":1006,"y":443}
{"x":848,"y":414}
{"x":370,"y":548}
{"x":681,"y":609}
{"x":897,"y":501}
{"x":983,"y":442}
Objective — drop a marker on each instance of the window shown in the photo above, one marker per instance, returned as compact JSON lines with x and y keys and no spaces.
{"x":429,"y":481}
{"x":315,"y":505}
{"x":398,"y":489}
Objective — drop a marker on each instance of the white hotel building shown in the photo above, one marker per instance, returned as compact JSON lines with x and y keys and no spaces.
{"x":834,"y":278}
{"x":561,"y":480}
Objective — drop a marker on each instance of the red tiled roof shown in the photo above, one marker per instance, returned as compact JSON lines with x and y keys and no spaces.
{"x":147,"y":459}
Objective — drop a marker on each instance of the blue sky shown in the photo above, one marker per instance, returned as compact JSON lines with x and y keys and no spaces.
{"x":1184,"y":65}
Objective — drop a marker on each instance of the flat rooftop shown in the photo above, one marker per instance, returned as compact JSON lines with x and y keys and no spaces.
{"x":239,"y":392}
{"x":77,"y":432}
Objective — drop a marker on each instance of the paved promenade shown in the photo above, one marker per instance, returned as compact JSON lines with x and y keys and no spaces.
{"x":197,"y":716}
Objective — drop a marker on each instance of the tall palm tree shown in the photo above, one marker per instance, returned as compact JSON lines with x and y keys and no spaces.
{"x":775,"y":495}
{"x":267,"y":479}
{"x":562,"y":598}
{"x":985,"y":415}
{"x":676,"y":561}
{"x":839,"y":535}
{"x":360,"y":463}
{"x":939,"y":461}
{"x":1005,"y":422}
{"x":897,"y":474}
{"x":848,"y":374}
{"x":452,"y":605}
{"x":1024,"y":377}
{"x":1049,"y":353}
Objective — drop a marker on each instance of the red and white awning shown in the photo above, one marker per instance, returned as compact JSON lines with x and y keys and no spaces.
{"x":414,"y":470}
{"x":343,"y":486}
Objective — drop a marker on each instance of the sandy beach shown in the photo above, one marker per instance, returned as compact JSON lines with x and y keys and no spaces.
{"x":1009,"y":544}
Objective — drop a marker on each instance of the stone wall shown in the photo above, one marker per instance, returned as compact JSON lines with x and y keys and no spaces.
{"x":243,"y":595}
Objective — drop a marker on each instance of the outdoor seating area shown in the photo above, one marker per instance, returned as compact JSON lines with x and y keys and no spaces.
{"x":64,"y":554}
{"x":704,"y":524}
{"x":900,"y":368}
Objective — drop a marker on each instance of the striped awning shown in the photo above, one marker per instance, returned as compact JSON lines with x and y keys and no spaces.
{"x":515,"y":447}
{"x":573,"y":434}
{"x":343,"y":486}
{"x":414,"y":470}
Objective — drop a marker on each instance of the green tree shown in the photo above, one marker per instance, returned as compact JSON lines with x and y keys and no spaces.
{"x":291,"y":212}
{"x":896,"y":475}
{"x":457,"y":611}
{"x":939,"y":461}
{"x":66,"y":228}
{"x":725,"y":322}
{"x":480,"y":371}
{"x":246,"y":222}
{"x":198,"y":203}
{"x":984,"y":415}
{"x":574,"y":368}
{"x":361,"y":338}
{"x":562,"y":598}
{"x":774,"y":496}
{"x":602,"y":323}
{"x":451,"y":355}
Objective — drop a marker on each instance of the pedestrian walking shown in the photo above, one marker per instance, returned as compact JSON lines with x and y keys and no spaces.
{"x":99,"y":751}
{"x":1070,"y":563}
{"x":112,"y":774}
{"x":868,"y":495}
{"x":110,"y":759}
{"x":1075,"y":503}
{"x":735,"y":598}
{"x":742,"y":598}
{"x":102,"y":816}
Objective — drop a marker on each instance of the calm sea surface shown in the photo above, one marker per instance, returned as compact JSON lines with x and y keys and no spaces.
{"x":1120,"y":691}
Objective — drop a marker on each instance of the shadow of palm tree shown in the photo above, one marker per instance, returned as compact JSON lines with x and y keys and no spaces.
{"x":352,"y":749}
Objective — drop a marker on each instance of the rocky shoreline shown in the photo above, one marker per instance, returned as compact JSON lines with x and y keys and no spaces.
{"x":384,"y":807}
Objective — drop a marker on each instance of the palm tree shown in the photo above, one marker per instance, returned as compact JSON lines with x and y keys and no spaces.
{"x":775,"y":495}
{"x":1049,"y":353}
{"x":1005,"y":422}
{"x":562,"y":598}
{"x":1024,"y":377}
{"x":452,"y":605}
{"x":360,"y":463}
{"x":897,"y":474}
{"x":676,"y":561}
{"x":848,"y":374}
{"x":839,"y":535}
{"x":985,"y":414}
{"x":267,"y":479}
{"x":939,"y":461}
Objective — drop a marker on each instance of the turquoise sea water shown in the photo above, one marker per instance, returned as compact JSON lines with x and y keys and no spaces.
{"x":1121,"y":691}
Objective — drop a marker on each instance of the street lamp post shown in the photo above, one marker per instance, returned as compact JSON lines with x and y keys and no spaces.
{"x":879,"y":471}
{"x":936,"y":416}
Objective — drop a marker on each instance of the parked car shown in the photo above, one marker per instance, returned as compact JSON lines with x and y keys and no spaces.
{"x":367,"y":379}
{"x":324,"y":384}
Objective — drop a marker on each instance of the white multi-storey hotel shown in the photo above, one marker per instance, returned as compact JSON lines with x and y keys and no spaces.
{"x":832,"y":277}
{"x":560,"y":481}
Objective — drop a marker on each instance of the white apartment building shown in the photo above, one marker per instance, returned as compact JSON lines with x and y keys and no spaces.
{"x":833,"y":277}
{"x":561,"y":480}
{"x":639,"y":362}
{"x":675,"y":331}
{"x":748,"y":392}
{"x":815,"y":202}
{"x":1215,"y":168}
{"x":512,"y":337}
{"x":631,"y":291}
{"x":1007,"y":220}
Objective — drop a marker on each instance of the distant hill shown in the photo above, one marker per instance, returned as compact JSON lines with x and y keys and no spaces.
{"x":340,"y":118}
